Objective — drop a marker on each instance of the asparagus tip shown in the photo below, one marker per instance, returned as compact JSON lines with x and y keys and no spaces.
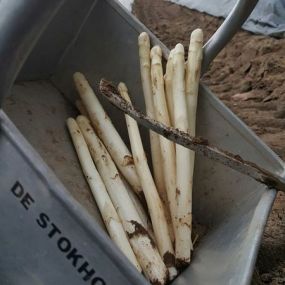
{"x":81,"y":118}
{"x":70,"y":121}
{"x":78,"y":75}
{"x":197,"y":35}
{"x":143,"y":38}
{"x":122,"y":87}
{"x":123,"y":90}
{"x":156,"y":50}
{"x":179,"y":48}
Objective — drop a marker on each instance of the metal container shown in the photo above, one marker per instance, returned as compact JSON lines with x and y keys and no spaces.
{"x":51,"y":231}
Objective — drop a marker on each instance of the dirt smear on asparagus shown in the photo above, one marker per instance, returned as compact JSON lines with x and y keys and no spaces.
{"x":248,"y":76}
{"x":128,"y":160}
{"x":140,"y":231}
{"x":169,"y":259}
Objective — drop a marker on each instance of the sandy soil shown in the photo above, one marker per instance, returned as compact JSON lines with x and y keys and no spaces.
{"x":248,"y":76}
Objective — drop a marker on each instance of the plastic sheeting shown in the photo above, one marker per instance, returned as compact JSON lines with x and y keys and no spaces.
{"x":127,"y":4}
{"x":268,"y":17}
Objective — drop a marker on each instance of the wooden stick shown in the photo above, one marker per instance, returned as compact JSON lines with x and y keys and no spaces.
{"x":107,"y":132}
{"x":81,"y":108}
{"x":154,"y":203}
{"x":108,"y":212}
{"x":140,"y":240}
{"x":200,"y":145}
{"x":183,"y":243}
{"x":167,"y":147}
{"x":168,"y":87}
{"x":144,"y":54}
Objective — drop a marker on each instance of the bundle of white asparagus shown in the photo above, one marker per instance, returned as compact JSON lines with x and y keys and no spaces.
{"x":121,"y":180}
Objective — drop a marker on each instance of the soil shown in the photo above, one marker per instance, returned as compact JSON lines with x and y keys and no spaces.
{"x":248,"y":76}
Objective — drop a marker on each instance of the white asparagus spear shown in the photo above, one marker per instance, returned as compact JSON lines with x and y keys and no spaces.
{"x":183,"y":243}
{"x":193,"y":71}
{"x":107,"y":132}
{"x":108,"y":212}
{"x":81,"y":108}
{"x":168,"y":86}
{"x":153,"y":200}
{"x":144,"y":54}
{"x":137,"y":203}
{"x":161,"y":114}
{"x":143,"y":246}
{"x":195,"y":55}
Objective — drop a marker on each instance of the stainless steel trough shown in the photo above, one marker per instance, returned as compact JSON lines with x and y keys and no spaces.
{"x":51,"y":232}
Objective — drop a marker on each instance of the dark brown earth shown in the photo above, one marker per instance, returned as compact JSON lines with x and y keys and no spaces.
{"x":248,"y":76}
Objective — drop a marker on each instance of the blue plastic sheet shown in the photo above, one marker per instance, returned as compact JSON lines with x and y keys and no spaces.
{"x":268,"y":17}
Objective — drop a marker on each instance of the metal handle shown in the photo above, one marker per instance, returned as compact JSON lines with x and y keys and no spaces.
{"x":227,"y":30}
{"x":22,"y":23}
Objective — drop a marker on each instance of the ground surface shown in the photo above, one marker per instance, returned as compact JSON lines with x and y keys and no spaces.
{"x":248,"y":76}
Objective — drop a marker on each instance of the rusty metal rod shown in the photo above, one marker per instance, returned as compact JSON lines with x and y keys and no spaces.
{"x":199,"y":145}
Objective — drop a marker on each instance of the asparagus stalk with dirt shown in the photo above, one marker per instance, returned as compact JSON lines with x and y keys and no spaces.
{"x":144,"y":55}
{"x":137,"y":203}
{"x":161,"y":115}
{"x":107,"y":132}
{"x":143,"y":246}
{"x":140,"y":209}
{"x":105,"y":205}
{"x":153,"y":200}
{"x":183,"y":243}
{"x":193,"y":71}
